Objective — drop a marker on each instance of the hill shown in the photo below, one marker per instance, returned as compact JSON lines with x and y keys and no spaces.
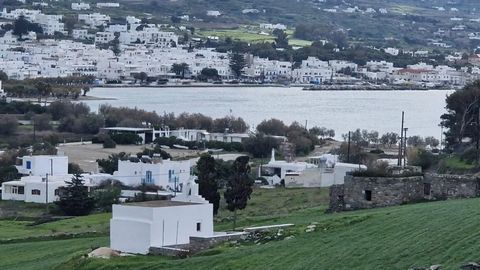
{"x":401,"y":237}
{"x":406,"y":23}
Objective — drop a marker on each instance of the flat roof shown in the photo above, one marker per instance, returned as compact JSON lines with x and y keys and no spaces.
{"x":127,"y":129}
{"x":160,"y":203}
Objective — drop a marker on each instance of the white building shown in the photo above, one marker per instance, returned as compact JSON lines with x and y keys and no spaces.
{"x":108,"y":5}
{"x":136,"y":227}
{"x":45,"y":176}
{"x":213,"y":13}
{"x":94,"y":19}
{"x":321,"y":176}
{"x":80,"y":6}
{"x":276,"y":170}
{"x":168,"y":174}
{"x":270,"y":26}
{"x":81,"y":34}
{"x":104,"y":37}
{"x":149,"y":36}
{"x":42,"y":165}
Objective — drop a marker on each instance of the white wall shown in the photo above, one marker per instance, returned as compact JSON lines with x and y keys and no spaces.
{"x":134,"y":229}
{"x":41,"y":165}
{"x":132,"y":174}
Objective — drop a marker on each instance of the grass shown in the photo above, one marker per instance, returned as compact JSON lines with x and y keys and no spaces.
{"x":45,"y":254}
{"x":250,"y":35}
{"x":237,"y":34}
{"x":11,"y":229}
{"x":455,"y":163}
{"x":400,"y":237}
{"x":390,"y":238}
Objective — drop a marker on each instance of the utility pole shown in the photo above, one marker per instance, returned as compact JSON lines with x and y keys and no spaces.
{"x":400,"y":148}
{"x":405,"y":148}
{"x":34,"y":139}
{"x":46,"y":184}
{"x":46,"y":194}
{"x":348,"y":149}
{"x":441,"y":136}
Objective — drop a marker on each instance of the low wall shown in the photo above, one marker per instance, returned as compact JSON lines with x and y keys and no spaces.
{"x":372,"y":192}
{"x":202,"y":243}
{"x":444,"y":186}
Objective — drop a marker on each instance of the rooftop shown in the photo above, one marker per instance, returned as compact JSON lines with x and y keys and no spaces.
{"x":160,"y":203}
{"x":127,"y":129}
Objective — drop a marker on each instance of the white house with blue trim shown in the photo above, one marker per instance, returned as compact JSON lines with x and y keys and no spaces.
{"x":168,"y":174}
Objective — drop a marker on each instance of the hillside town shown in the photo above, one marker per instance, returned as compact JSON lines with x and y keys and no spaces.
{"x":118,"y":53}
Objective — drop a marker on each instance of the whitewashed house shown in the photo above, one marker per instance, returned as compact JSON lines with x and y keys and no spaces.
{"x":45,"y":176}
{"x":276,"y":170}
{"x":167,"y":174}
{"x":80,"y":6}
{"x":104,"y":37}
{"x":42,"y":165}
{"x":94,"y":19}
{"x":81,"y":34}
{"x":108,"y":5}
{"x":137,"y":227}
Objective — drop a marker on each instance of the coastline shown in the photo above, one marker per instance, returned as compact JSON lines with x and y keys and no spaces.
{"x":305,"y":87}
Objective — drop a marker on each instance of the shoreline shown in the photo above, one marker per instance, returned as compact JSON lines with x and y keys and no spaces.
{"x":305,"y":87}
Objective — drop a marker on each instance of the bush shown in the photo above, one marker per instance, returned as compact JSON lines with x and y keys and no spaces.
{"x":109,"y":143}
{"x":377,"y":151}
{"x":42,"y":122}
{"x":8,"y":125}
{"x":469,"y":156}
{"x":126,"y":138}
{"x":105,"y":198}
{"x":421,"y":157}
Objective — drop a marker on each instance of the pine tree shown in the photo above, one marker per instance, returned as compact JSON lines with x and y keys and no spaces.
{"x":239,"y":187}
{"x":207,"y":181}
{"x":74,"y":198}
{"x":237,"y":63}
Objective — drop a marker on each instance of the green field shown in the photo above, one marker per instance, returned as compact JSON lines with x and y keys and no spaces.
{"x":390,"y":238}
{"x":250,"y":35}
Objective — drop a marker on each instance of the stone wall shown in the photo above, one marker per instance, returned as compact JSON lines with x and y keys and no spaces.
{"x":444,"y":186}
{"x":337,"y":194}
{"x":371,"y":192}
{"x":202,"y":243}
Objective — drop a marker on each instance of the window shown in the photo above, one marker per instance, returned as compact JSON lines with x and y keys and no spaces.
{"x":29,"y":165}
{"x":427,"y":189}
{"x":199,"y":226}
{"x":57,"y":192}
{"x":368,"y":195}
{"x":21,"y":190}
{"x":148,"y":177}
{"x":35,"y":192}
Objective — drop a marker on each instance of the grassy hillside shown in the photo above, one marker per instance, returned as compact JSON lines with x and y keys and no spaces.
{"x":390,"y":238}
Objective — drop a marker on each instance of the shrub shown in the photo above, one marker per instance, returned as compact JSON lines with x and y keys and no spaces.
{"x":126,"y":138}
{"x":8,"y":125}
{"x":104,"y":198}
{"x":421,"y":157}
{"x":109,"y":143}
{"x":377,"y":151}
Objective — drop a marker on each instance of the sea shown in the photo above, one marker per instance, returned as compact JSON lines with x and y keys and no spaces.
{"x":342,"y":111}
